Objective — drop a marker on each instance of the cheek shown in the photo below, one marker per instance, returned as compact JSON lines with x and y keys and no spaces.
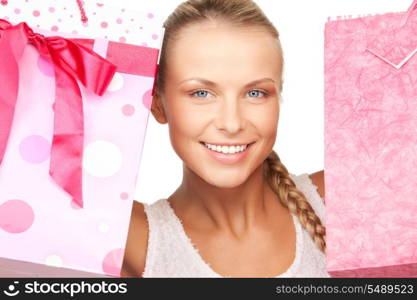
{"x":265,"y":119}
{"x":270,"y":124}
{"x":186,"y":122}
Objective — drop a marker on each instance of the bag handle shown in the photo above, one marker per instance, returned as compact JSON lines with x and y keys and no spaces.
{"x":410,"y":10}
{"x":80,"y":4}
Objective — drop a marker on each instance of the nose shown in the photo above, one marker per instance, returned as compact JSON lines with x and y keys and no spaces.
{"x":230,"y":117}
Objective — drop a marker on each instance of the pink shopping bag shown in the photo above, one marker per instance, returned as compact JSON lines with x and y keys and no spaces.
{"x":65,"y":201}
{"x":371,"y":145}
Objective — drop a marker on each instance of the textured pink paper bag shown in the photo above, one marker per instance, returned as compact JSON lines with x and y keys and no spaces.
{"x":42,"y":233}
{"x":371,"y":145}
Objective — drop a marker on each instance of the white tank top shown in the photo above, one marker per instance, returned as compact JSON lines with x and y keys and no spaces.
{"x":171,"y":253}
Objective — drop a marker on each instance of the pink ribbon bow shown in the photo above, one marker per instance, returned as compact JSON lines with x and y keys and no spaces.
{"x":71,"y":61}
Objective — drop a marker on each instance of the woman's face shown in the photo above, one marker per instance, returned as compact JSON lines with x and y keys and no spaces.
{"x":221,"y":100}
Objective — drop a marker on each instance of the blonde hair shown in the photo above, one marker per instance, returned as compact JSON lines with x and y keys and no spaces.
{"x":244,"y":13}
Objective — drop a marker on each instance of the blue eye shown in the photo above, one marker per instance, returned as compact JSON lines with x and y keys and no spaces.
{"x":256,"y":93}
{"x":200,"y":94}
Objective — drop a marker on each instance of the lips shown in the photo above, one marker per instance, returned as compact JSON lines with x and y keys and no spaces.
{"x":227,"y":153}
{"x":226,"y":148}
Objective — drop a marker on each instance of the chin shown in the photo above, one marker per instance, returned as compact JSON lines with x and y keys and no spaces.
{"x":225,"y":181}
{"x":226,"y":184}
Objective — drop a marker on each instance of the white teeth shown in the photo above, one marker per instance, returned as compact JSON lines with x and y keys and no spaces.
{"x":226,"y":149}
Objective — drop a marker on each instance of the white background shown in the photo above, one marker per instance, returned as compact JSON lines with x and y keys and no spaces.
{"x":300,"y":140}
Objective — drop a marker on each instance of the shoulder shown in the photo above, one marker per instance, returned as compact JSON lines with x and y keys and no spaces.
{"x":318,"y":180}
{"x":137,"y":240}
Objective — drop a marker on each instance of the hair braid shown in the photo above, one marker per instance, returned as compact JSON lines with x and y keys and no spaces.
{"x":291,"y":197}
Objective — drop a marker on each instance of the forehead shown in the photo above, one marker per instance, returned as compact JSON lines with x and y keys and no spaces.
{"x":220,"y":50}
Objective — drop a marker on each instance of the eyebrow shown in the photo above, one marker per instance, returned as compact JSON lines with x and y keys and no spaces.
{"x":213,"y":84}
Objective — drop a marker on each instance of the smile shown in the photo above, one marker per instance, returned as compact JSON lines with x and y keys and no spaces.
{"x":227,"y":149}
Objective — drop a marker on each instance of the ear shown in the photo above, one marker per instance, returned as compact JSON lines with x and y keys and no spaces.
{"x":158,"y":110}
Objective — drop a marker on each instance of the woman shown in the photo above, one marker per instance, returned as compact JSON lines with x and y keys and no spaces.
{"x":238,"y":212}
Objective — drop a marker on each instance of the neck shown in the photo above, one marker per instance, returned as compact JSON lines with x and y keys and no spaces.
{"x":236,"y":209}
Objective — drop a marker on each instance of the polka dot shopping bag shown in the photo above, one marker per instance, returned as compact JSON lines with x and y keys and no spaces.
{"x":74,"y":104}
